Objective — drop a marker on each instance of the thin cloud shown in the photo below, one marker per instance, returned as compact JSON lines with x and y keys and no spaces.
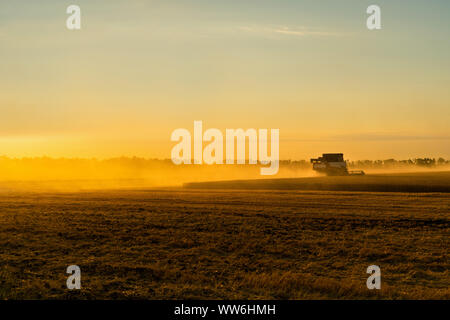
{"x":288,"y":31}
{"x":371,"y":137}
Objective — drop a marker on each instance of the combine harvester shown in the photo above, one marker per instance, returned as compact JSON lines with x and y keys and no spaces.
{"x":333,"y":164}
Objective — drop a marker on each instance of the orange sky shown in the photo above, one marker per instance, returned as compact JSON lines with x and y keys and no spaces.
{"x":139,"y":70}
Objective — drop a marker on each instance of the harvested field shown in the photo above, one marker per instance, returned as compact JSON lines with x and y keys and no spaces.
{"x":224,"y":244}
{"x":401,"y":182}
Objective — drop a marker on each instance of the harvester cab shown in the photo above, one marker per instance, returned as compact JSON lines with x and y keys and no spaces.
{"x":333,"y":164}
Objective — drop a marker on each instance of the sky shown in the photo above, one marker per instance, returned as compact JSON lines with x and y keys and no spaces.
{"x":137,"y":70}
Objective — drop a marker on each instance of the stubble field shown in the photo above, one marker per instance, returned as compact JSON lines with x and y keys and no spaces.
{"x":224,"y":244}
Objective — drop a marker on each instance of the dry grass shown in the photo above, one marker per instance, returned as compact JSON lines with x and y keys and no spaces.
{"x":185,"y":244}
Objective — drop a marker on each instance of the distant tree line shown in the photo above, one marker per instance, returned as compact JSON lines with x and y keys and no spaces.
{"x":388,"y":163}
{"x":131,"y":165}
{"x":392,"y":163}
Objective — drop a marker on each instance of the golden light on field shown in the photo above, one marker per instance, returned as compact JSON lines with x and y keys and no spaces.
{"x":224,"y":149}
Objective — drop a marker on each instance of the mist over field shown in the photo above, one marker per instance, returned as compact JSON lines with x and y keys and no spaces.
{"x":72,"y":174}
